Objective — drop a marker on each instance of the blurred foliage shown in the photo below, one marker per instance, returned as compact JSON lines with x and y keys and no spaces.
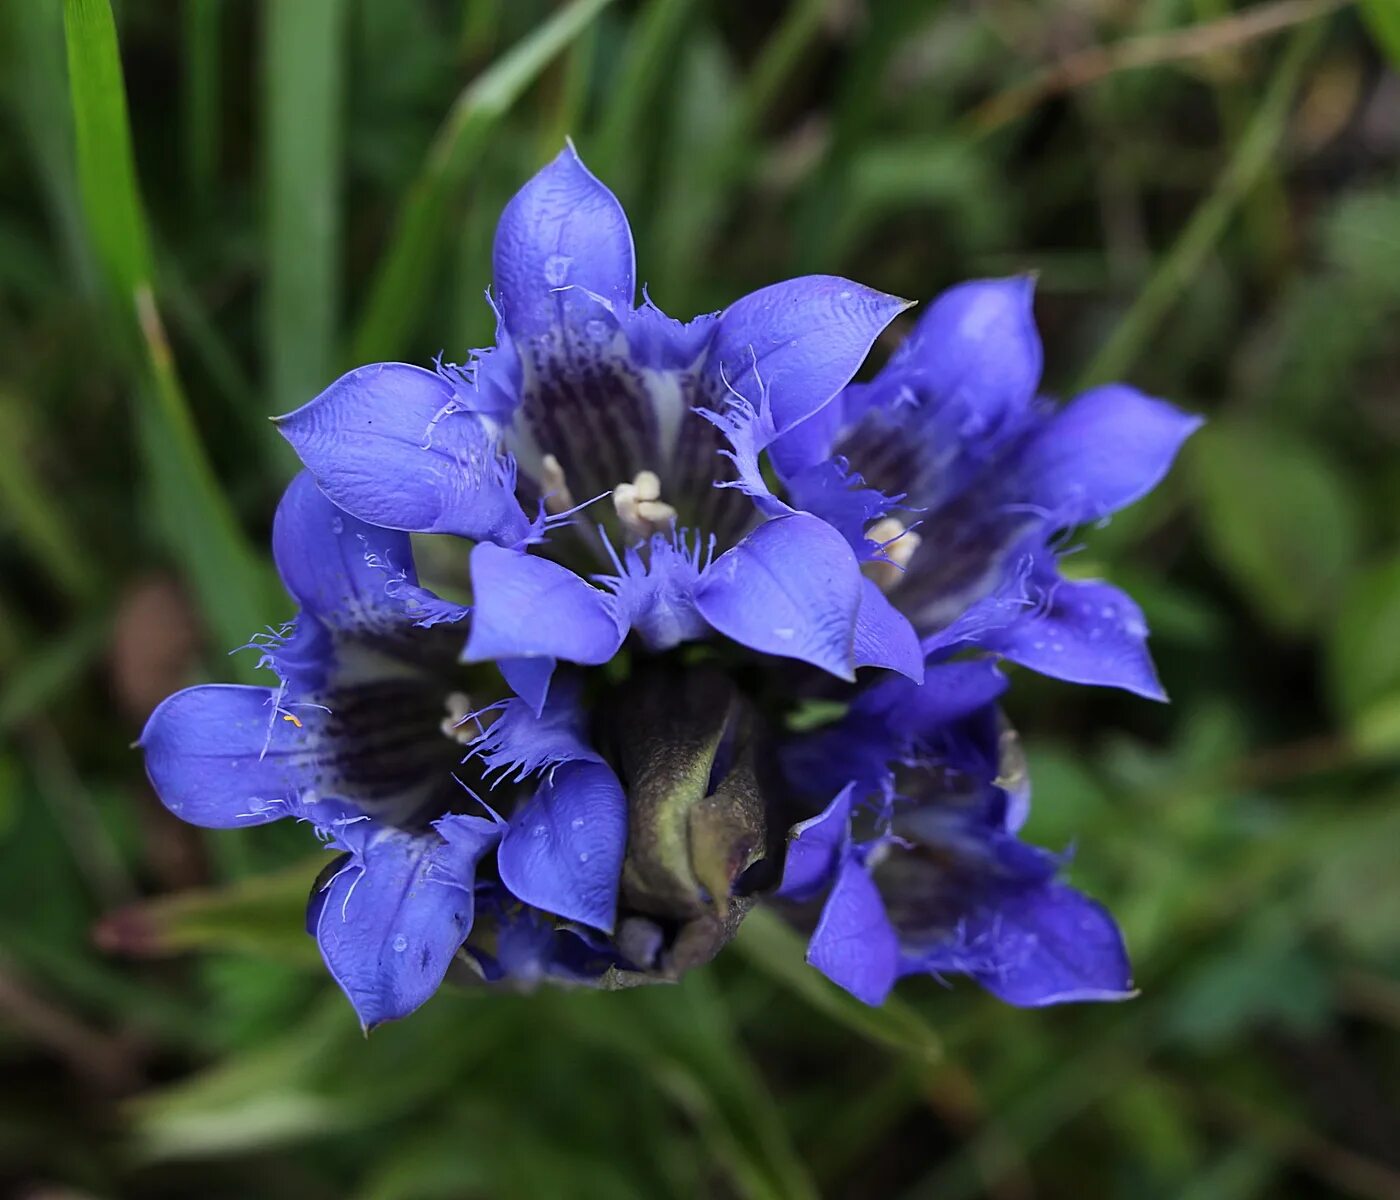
{"x":1211,"y":198}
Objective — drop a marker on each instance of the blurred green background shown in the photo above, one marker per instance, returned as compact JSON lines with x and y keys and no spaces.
{"x":1211,"y":196}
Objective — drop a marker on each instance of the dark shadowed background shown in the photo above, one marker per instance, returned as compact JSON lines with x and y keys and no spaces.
{"x":1210,"y":194}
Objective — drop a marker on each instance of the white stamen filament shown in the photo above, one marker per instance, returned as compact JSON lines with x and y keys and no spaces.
{"x":899,"y":543}
{"x":640,"y":508}
{"x":557,"y":497}
{"x":459,"y":708}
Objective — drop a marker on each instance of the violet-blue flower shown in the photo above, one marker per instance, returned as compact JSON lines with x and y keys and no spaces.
{"x":677,"y":536}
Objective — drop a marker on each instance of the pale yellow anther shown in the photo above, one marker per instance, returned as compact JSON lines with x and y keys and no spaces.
{"x":640,"y":508}
{"x":557,"y":497}
{"x":454,"y":725}
{"x":899,"y":542}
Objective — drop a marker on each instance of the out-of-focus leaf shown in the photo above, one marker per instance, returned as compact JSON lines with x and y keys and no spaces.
{"x":400,"y":285}
{"x":1354,"y":892}
{"x":777,"y":950}
{"x":304,"y":62}
{"x":1364,"y":656}
{"x":1279,"y":517}
{"x":651,"y":46}
{"x":1258,"y":978}
{"x":1382,"y":18}
{"x":263,"y":915}
{"x":50,"y":669}
{"x":36,"y":511}
{"x":203,"y":533}
{"x":266,"y":1098}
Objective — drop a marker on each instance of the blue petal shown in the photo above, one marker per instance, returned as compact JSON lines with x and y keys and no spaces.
{"x":392,"y":919}
{"x":950,"y":692}
{"x":854,"y":944}
{"x":521,"y":742}
{"x":975,"y":353}
{"x":1056,"y":946}
{"x":526,"y":606}
{"x":351,"y":576}
{"x":1089,"y":632}
{"x":829,"y":491}
{"x":563,"y":236}
{"x":884,"y":637}
{"x":529,"y":679}
{"x":392,"y":445}
{"x":563,"y":852}
{"x":796,"y":343}
{"x":1102,"y":451}
{"x":657,"y":597}
{"x":815,"y":847}
{"x":792,"y":588}
{"x":222,"y":756}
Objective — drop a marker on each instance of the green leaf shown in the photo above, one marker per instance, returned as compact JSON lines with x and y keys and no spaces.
{"x":1382,"y":18}
{"x":401,"y":283}
{"x":38,"y":512}
{"x":652,"y":44}
{"x":304,"y":56}
{"x":202,"y":533}
{"x":776,"y":950}
{"x":1279,"y":517}
{"x":261,"y":916}
{"x":1364,"y":656}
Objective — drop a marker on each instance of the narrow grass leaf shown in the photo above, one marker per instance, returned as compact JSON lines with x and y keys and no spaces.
{"x":202,"y":38}
{"x":201,"y":530}
{"x":304,"y":66}
{"x":401,"y":282}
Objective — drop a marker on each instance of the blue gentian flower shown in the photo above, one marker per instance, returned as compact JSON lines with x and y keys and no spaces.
{"x":682,"y":534}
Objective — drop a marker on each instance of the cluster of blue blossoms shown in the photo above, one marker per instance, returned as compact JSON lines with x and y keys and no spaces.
{"x":733,"y":634}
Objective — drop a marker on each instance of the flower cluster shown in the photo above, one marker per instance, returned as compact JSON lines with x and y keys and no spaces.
{"x":732,"y":634}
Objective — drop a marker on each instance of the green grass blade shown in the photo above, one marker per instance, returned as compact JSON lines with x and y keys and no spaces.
{"x":400,"y":284}
{"x":304,"y":57}
{"x":777,"y":951}
{"x":33,"y":30}
{"x":201,"y":96}
{"x":200,"y":529}
{"x":39,"y":520}
{"x":106,"y":166}
{"x":652,"y":45}
{"x":1180,"y":265}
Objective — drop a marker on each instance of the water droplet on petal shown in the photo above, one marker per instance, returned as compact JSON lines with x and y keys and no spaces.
{"x":583,"y":856}
{"x":597,"y":330}
{"x":337,"y":526}
{"x":400,"y":944}
{"x":577,"y":823}
{"x":556,"y":269}
{"x":539,"y":831}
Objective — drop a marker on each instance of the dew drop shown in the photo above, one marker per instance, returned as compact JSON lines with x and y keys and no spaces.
{"x":583,"y":856}
{"x":1058,"y":647}
{"x":400,"y":944}
{"x":337,"y":526}
{"x":597,"y":330}
{"x":577,"y":823}
{"x":786,"y":634}
{"x":1037,"y":645}
{"x":556,"y":269}
{"x":538,"y":831}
